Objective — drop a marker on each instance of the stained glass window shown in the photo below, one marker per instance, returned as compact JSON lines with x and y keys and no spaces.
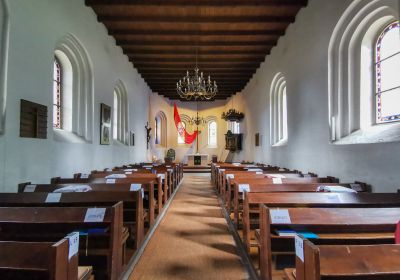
{"x":212,"y":133}
{"x":387,"y":70}
{"x":115,"y":116}
{"x":157,"y":131}
{"x":57,"y":92}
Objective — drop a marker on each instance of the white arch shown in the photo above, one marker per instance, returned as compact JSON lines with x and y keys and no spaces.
{"x":122,"y":117}
{"x":277,"y":118}
{"x":349,"y":81}
{"x":162,"y":119}
{"x":82,"y":85}
{"x":4,"y":35}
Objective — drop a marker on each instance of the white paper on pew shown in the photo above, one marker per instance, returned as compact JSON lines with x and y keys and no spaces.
{"x":170,"y":170}
{"x":148,"y":166}
{"x":85,"y":176}
{"x":108,"y":169}
{"x":276,"y":176}
{"x":254,"y":170}
{"x":53,"y":198}
{"x":251,"y":165}
{"x":135,"y":187}
{"x":259,"y":173}
{"x":217,"y":166}
{"x":221,"y":170}
{"x":110,"y":181}
{"x":116,"y":176}
{"x":129,"y":170}
{"x":168,"y":166}
{"x":128,"y":173}
{"x":230,"y":176}
{"x":281,"y":169}
{"x":73,"y":240}
{"x":338,"y":189}
{"x":73,"y":188}
{"x":279,"y":216}
{"x":277,"y":180}
{"x":95,"y":215}
{"x":30,"y":188}
{"x":236,"y":163}
{"x":299,"y":246}
{"x":244,"y":188}
{"x":162,"y":176}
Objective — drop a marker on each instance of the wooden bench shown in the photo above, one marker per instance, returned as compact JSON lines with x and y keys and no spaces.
{"x":120,"y":185}
{"x":49,"y":224}
{"x":255,"y":186}
{"x":363,"y":262}
{"x":311,"y":200}
{"x":331,"y":225}
{"x":133,"y":214}
{"x":38,"y":260}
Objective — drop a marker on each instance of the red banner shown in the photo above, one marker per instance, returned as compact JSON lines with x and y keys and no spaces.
{"x":189,"y":138}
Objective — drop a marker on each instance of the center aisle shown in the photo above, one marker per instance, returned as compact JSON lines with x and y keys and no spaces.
{"x":193,"y":240}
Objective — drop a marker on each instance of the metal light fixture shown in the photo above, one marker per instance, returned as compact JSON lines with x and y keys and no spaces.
{"x":232,"y":115}
{"x":196,"y":87}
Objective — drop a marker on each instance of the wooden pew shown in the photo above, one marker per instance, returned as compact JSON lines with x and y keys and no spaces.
{"x":255,"y":186}
{"x":100,"y":184}
{"x":133,"y":214}
{"x":366,"y":262}
{"x":52,"y":223}
{"x":332,"y":225}
{"x":311,"y":200}
{"x":37,"y":260}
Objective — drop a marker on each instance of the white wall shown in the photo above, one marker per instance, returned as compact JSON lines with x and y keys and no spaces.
{"x":302,"y":56}
{"x":206,"y":110}
{"x":35,"y":27}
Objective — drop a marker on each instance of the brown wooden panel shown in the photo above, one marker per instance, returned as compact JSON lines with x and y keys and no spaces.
{"x":33,"y":120}
{"x":231,"y":36}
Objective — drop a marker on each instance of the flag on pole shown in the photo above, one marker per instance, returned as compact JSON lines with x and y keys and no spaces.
{"x":189,"y":138}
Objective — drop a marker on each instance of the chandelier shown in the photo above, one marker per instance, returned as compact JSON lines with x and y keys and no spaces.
{"x":197,"y":121}
{"x":196,"y":87}
{"x":232,"y":115}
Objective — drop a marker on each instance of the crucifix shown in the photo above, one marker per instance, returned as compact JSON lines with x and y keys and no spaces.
{"x":148,"y":130}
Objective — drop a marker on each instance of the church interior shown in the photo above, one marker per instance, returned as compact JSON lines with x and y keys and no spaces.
{"x":203,"y":139}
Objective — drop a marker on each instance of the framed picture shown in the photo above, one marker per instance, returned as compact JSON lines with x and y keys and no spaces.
{"x":105,"y":124}
{"x":132,"y":138}
{"x":257,"y":136}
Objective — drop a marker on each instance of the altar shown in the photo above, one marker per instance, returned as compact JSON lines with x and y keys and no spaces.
{"x":197,"y":160}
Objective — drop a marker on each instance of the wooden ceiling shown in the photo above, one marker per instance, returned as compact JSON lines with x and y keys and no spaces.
{"x":232,"y":37}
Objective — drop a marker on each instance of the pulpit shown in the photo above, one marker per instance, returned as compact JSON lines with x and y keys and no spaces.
{"x":197,"y":160}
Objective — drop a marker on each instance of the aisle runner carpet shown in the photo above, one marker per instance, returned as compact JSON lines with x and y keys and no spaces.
{"x":193,"y":241}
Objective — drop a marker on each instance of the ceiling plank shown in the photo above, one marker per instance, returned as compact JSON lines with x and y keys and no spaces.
{"x":198,"y":3}
{"x":193,"y":33}
{"x":197,"y":19}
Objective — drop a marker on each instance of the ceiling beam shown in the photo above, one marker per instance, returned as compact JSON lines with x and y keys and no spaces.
{"x":192,"y":60}
{"x":126,"y":43}
{"x":197,"y":19}
{"x":198,"y":3}
{"x":137,"y":52}
{"x":160,"y":32}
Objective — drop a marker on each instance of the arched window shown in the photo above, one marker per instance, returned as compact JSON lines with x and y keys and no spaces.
{"x":278,"y":101}
{"x":181,"y":140}
{"x":363,"y":85}
{"x":234,"y":127}
{"x":57,"y":93}
{"x":212,"y":133}
{"x":76,"y":83}
{"x":4,"y":31}
{"x":120,"y":113}
{"x":387,"y":75}
{"x":160,"y":131}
